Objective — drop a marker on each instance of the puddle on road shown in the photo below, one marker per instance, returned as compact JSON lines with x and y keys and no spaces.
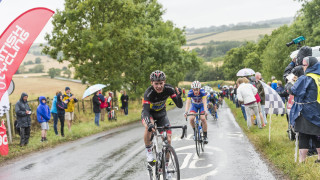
{"x":28,"y":167}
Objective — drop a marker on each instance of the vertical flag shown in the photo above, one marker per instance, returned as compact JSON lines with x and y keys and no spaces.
{"x":4,"y":149}
{"x":16,"y":40}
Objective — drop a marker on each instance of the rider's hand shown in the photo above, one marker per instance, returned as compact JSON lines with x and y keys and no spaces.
{"x":185,"y":114}
{"x":151,"y":128}
{"x":177,"y":90}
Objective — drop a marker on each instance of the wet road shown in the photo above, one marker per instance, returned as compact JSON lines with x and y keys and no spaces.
{"x":120,"y":154}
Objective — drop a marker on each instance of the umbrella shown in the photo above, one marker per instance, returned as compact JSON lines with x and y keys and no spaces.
{"x":245,"y":72}
{"x":92,"y":89}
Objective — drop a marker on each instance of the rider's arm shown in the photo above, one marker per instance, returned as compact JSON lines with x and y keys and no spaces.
{"x":177,"y":100}
{"x":188,"y":104}
{"x":204,"y":101}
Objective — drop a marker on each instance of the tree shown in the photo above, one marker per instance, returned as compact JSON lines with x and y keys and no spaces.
{"x":37,"y":69}
{"x":67,"y":72}
{"x":21,"y":70}
{"x":53,"y":72}
{"x":38,"y":60}
{"x":118,"y":42}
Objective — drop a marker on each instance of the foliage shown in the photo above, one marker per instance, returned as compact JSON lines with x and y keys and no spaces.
{"x":28,"y":62}
{"x":53,"y":72}
{"x":38,"y":60}
{"x":119,"y":42}
{"x":21,"y":70}
{"x":67,"y":72}
{"x":216,"y":49}
{"x":37,"y":69}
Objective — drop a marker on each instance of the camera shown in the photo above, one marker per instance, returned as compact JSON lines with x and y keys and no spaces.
{"x":296,"y":41}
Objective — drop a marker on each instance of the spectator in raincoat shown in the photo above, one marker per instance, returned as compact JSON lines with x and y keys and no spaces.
{"x":305,"y":112}
{"x":23,"y":112}
{"x":61,"y":106}
{"x":43,"y":116}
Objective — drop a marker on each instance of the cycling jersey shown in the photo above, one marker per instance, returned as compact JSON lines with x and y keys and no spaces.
{"x":155,"y":102}
{"x":212,"y":99}
{"x":197,"y":99}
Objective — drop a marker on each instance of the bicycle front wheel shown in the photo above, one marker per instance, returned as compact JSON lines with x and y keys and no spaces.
{"x":171,"y":164}
{"x":197,"y":139}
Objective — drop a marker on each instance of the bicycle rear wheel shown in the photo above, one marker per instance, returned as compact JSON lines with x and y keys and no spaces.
{"x":171,"y":164}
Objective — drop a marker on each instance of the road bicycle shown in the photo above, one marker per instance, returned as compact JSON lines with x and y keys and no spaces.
{"x":198,"y":133}
{"x":212,"y":111}
{"x":167,"y":163}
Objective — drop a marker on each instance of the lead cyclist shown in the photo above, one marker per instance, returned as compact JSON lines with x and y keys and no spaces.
{"x":154,"y":108}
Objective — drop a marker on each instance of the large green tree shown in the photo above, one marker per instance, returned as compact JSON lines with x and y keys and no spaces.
{"x":119,"y":42}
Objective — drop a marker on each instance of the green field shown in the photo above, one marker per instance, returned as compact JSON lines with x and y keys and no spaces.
{"x":239,"y":35}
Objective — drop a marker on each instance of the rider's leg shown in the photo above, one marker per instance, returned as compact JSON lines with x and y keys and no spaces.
{"x":148,"y":143}
{"x":147,"y":134}
{"x":204,"y":124}
{"x":215,"y":110}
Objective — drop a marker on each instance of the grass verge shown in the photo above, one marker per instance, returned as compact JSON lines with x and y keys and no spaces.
{"x":280,"y":151}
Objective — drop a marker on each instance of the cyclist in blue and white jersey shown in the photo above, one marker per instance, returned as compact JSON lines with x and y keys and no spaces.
{"x":213,"y":98}
{"x":197,"y":98}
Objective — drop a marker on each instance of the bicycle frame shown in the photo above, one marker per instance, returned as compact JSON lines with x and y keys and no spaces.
{"x":165,"y":146}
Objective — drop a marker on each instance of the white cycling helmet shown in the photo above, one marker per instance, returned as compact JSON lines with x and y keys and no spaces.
{"x":195,"y":84}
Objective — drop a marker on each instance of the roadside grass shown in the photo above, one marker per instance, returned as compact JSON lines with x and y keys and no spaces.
{"x":280,"y":151}
{"x":82,"y":127}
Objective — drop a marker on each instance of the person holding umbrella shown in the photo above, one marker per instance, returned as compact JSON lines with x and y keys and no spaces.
{"x":96,"y":107}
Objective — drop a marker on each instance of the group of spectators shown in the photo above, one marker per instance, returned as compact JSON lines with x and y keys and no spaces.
{"x":302,"y":78}
{"x":62,"y":108}
{"x":102,"y":105}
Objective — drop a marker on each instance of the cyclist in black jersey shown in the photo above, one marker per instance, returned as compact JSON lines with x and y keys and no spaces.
{"x":154,"y":108}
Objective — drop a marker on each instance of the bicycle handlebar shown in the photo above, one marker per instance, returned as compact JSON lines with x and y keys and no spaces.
{"x":165,"y":128}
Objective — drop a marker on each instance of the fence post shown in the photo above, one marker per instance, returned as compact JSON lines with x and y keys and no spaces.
{"x":12,"y":119}
{"x":91,"y":105}
{"x":84,"y":111}
{"x":78,"y":107}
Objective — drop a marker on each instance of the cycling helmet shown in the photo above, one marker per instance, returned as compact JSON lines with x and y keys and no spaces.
{"x":211,"y":92}
{"x":195,"y":84}
{"x":157,"y":76}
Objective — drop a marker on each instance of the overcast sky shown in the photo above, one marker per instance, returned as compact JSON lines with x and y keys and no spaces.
{"x":189,"y":13}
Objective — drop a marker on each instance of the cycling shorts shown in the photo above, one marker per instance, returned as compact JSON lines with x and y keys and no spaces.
{"x":160,"y":118}
{"x":195,"y":108}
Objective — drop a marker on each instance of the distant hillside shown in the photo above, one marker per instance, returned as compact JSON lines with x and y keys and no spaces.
{"x":241,"y":26}
{"x":235,"y":35}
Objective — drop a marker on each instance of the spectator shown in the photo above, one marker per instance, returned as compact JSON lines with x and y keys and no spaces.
{"x":54,"y":113}
{"x":269,"y":84}
{"x":258,"y":99}
{"x":109,"y":103}
{"x":43,"y":116}
{"x":61,"y":106}
{"x":124,"y":101}
{"x":305,"y":114}
{"x":103,"y":104}
{"x":69,"y":99}
{"x":184,"y":92}
{"x":262,"y":95}
{"x":279,"y":90}
{"x":246,"y":94}
{"x":96,"y":107}
{"x":274,"y":83}
{"x":23,"y":112}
